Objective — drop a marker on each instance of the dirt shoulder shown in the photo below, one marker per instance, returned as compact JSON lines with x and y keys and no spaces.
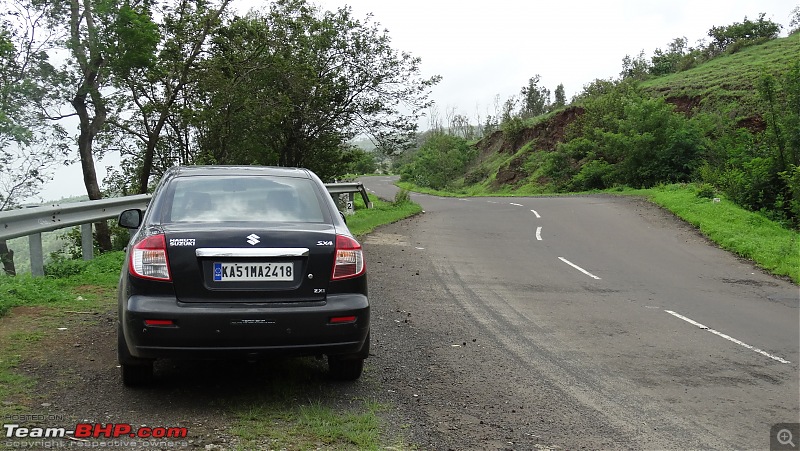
{"x":70,"y":362}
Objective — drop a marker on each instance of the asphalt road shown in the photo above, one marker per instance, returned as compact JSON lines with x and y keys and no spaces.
{"x":594,"y":321}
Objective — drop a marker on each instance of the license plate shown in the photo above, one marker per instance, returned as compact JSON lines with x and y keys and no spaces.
{"x":253,"y":272}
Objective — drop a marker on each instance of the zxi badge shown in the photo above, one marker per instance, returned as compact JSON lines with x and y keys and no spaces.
{"x":253,"y":239}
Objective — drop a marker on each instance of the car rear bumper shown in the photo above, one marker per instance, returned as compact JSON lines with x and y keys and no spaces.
{"x":225,"y":331}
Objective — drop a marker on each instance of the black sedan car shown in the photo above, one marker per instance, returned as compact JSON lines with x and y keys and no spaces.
{"x":241,"y":263}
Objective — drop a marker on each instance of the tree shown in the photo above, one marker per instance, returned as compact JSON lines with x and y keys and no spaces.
{"x":460,"y":126}
{"x":635,"y":68}
{"x":737,"y":35}
{"x":668,"y":62}
{"x":24,"y":69}
{"x":29,"y":145}
{"x":560,"y":97}
{"x":154,"y":92}
{"x":441,"y":160}
{"x":795,"y":21}
{"x":360,"y":161}
{"x":508,"y":109}
{"x":301,"y":82}
{"x":535,"y":98}
{"x":104,"y":38}
{"x":22,"y":173}
{"x":633,"y":139}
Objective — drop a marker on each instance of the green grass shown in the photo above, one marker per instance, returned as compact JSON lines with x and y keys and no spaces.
{"x":62,"y":292}
{"x":365,"y":220}
{"x":278,"y":425}
{"x":15,"y":386}
{"x":729,"y":79}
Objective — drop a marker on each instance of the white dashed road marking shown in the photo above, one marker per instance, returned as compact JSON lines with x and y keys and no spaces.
{"x":539,"y":233}
{"x":727,"y":337}
{"x":579,"y":268}
{"x":516,"y":205}
{"x":537,"y":214}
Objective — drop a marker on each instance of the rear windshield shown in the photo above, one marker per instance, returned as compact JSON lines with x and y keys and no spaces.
{"x":222,"y":199}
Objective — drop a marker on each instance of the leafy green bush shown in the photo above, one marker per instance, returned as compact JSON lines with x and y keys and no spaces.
{"x":512,"y":128}
{"x":758,"y":171}
{"x":705,"y":191}
{"x":596,"y":174}
{"x":360,"y":161}
{"x":61,"y":267}
{"x":553,"y":169}
{"x":626,"y":137}
{"x":476,"y":175}
{"x":440,"y":160}
{"x":402,"y":197}
{"x":72,"y":249}
{"x":792,"y":180}
{"x":738,"y":35}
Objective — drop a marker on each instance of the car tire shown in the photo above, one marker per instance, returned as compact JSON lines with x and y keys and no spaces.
{"x":345,"y":369}
{"x":135,"y":372}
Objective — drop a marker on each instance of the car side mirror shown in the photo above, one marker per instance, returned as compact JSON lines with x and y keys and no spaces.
{"x":130,"y":219}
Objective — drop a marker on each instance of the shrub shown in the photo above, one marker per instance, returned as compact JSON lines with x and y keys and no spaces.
{"x":705,"y":191}
{"x":73,"y":249}
{"x":792,"y":180}
{"x":61,"y":267}
{"x":439,"y":161}
{"x":402,"y":197}
{"x":641,"y":141}
{"x":512,"y":128}
{"x":476,"y":175}
{"x":596,"y":174}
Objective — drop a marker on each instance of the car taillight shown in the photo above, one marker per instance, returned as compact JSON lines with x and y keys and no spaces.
{"x":149,"y":258}
{"x":349,"y":258}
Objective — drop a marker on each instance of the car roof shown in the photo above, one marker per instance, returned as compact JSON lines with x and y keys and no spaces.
{"x":238,"y":171}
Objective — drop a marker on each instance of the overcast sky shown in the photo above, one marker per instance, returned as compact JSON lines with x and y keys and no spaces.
{"x":486,"y":48}
{"x":492,"y":48}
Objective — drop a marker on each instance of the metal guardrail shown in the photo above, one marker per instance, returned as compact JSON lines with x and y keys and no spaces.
{"x":45,"y":218}
{"x":33,"y":221}
{"x":349,"y":188}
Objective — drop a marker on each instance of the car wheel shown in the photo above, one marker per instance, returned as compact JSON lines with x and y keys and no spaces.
{"x":135,"y":372}
{"x":345,"y":369}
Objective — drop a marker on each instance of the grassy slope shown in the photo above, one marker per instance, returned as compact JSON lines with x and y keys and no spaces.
{"x":365,"y":221}
{"x":727,"y":83}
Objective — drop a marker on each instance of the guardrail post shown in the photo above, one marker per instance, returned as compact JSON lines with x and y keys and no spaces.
{"x":364,"y":196}
{"x":37,"y":256}
{"x":87,"y":243}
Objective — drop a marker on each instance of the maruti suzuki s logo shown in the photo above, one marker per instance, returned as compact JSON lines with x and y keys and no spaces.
{"x":253,"y":239}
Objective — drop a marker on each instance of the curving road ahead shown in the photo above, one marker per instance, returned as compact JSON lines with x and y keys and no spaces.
{"x":570,"y":322}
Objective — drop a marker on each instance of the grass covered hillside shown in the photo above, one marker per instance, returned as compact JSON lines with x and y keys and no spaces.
{"x":729,"y":83}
